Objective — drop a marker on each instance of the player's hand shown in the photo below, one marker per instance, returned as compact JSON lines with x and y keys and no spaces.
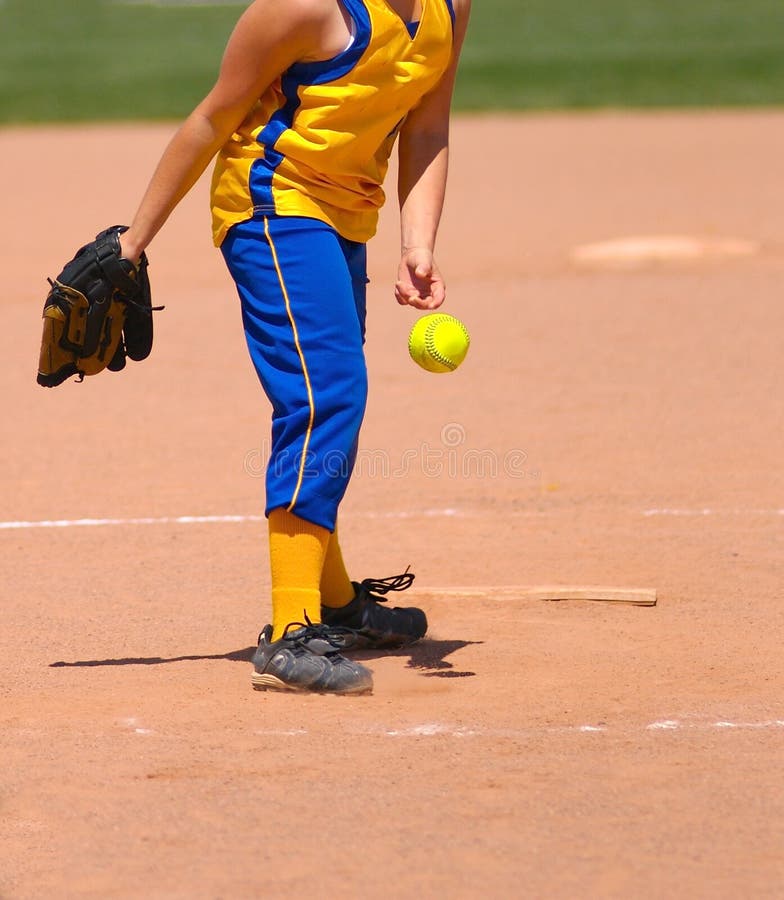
{"x":419,"y":282}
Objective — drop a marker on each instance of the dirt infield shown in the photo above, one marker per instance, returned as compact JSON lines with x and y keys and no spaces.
{"x":618,"y":422}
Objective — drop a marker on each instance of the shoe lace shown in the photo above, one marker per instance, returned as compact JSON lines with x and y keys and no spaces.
{"x":313,"y":630}
{"x":381,"y":586}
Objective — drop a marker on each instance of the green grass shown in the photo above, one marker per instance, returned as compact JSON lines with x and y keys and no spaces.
{"x":64,"y":60}
{"x":587,"y":53}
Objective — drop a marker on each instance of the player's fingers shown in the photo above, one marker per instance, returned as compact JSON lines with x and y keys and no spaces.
{"x":405,"y":292}
{"x":422,"y":302}
{"x":431,"y":298}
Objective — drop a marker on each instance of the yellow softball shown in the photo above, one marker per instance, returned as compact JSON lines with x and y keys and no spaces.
{"x":438,"y":342}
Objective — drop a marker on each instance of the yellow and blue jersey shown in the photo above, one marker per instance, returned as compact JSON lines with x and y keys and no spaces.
{"x":317,"y":144}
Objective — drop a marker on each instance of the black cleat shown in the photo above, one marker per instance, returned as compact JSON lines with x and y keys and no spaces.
{"x":306,"y":659}
{"x":365,"y":624}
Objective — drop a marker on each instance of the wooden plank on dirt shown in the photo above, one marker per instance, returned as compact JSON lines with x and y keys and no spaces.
{"x":633,"y":595}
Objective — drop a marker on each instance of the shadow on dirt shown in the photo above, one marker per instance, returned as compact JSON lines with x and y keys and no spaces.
{"x":234,"y":655}
{"x":428,"y":657}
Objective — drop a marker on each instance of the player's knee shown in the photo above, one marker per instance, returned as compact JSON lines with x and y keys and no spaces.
{"x":346,"y":400}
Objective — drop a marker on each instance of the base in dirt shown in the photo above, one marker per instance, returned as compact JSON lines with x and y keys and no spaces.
{"x":640,"y":250}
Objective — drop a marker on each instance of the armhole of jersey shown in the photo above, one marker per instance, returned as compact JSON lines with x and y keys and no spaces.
{"x":450,"y":6}
{"x":352,"y":37}
{"x":340,"y":65}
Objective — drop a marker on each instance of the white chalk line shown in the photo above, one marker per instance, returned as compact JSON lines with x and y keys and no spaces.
{"x":707,"y":511}
{"x":23,"y":525}
{"x":132,"y":724}
{"x":438,"y":729}
{"x":203,"y":520}
{"x":144,"y":520}
{"x":432,"y":729}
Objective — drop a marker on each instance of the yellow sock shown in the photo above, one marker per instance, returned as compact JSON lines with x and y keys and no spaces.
{"x":336,"y":587}
{"x":297,"y":550}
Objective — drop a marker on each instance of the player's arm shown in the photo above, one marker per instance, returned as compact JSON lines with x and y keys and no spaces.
{"x":269,"y":37}
{"x":423,"y":153}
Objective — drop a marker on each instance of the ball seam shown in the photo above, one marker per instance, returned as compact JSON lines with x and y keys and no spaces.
{"x":430,"y":345}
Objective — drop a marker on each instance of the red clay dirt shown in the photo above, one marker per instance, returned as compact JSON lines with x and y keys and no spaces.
{"x":614,"y":424}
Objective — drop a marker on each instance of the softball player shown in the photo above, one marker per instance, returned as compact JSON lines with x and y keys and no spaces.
{"x":312,"y":96}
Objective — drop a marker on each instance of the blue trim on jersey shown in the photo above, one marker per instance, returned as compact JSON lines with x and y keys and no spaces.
{"x":331,"y":69}
{"x":262,"y":170}
{"x":451,"y":9}
{"x":412,"y":27}
{"x":299,"y":75}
